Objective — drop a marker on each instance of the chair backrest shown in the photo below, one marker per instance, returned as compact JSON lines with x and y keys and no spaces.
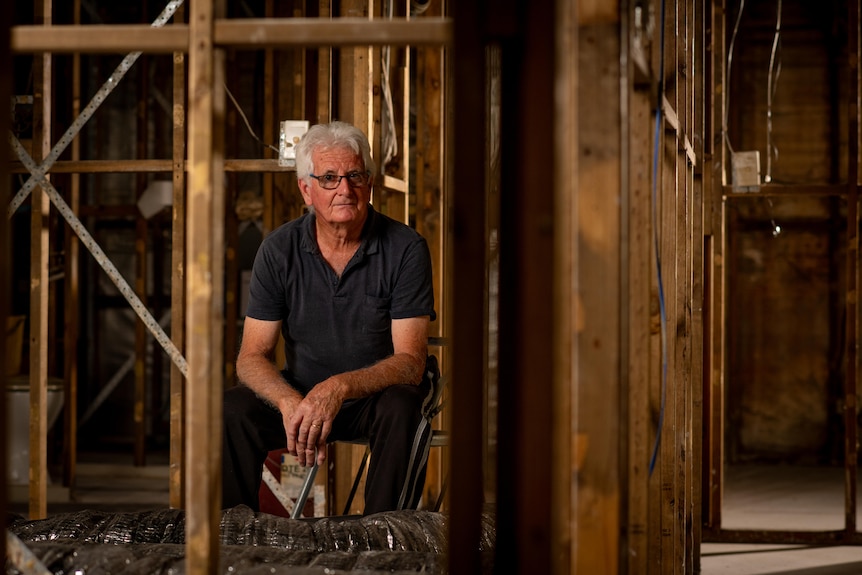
{"x":432,"y":377}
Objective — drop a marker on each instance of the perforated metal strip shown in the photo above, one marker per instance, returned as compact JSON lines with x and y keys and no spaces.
{"x":103,"y":260}
{"x":38,"y":172}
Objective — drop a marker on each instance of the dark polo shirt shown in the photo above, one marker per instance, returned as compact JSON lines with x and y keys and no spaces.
{"x":330,"y":324}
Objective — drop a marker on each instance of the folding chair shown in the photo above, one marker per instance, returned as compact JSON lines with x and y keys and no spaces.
{"x":437,"y":438}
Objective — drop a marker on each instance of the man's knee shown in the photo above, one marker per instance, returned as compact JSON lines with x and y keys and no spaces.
{"x":401,"y":398}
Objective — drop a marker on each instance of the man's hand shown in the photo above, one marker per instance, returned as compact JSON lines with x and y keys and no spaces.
{"x":308,"y":426}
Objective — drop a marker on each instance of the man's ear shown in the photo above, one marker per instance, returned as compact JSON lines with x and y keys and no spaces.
{"x":305,"y":190}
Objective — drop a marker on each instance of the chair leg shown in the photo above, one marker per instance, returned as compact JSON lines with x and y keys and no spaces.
{"x":356,"y":480}
{"x":307,"y":484}
{"x":442,"y":495}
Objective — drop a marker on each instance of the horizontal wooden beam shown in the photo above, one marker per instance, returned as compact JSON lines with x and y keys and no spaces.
{"x":100,"y":38}
{"x":287,"y":32}
{"x":238,"y":33}
{"x":148,"y":166}
{"x":394,"y":184}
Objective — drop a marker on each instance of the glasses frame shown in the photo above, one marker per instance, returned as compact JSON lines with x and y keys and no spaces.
{"x":320,"y":179}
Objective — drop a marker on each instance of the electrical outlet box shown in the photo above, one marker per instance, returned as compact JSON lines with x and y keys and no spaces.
{"x":746,"y":171}
{"x":291,"y":132}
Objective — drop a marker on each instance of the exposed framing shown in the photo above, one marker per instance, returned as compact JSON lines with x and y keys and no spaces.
{"x":206,"y":34}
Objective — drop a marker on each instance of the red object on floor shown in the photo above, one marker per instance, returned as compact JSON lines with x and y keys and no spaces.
{"x":269,"y":503}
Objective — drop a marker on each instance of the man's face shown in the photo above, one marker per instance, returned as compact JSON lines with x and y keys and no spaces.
{"x":346,"y":203}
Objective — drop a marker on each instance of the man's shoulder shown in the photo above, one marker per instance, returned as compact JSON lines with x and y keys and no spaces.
{"x":289,"y":231}
{"x":391,"y":228}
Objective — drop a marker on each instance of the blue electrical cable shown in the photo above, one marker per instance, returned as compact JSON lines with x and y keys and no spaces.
{"x":656,"y":142}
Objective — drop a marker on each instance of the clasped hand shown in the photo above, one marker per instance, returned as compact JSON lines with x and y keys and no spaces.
{"x":308,"y":424}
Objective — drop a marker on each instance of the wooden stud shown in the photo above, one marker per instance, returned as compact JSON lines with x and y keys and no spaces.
{"x":72,"y":293}
{"x":465,"y":312}
{"x":204,"y":314}
{"x":637,"y":357}
{"x":715,"y":220}
{"x":701,"y":139}
{"x":597,"y":273}
{"x":139,"y":415}
{"x":324,"y":73}
{"x":565,"y":296}
{"x":270,"y":221}
{"x":428,"y":183}
{"x":5,"y":242}
{"x":851,"y":421}
{"x":39,"y":246}
{"x":178,"y":265}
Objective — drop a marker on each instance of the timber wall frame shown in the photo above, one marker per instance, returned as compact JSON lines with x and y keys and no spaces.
{"x":716,"y":220}
{"x":199,"y":212}
{"x":548,"y":527}
{"x":582,"y":387}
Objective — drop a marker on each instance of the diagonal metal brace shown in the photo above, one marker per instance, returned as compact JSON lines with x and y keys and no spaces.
{"x":39,"y":172}
{"x":21,"y":558}
{"x":103,"y":260}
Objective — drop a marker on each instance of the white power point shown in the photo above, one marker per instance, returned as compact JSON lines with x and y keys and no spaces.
{"x":291,"y":132}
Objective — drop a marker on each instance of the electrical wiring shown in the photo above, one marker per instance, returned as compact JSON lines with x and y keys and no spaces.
{"x":244,"y":119}
{"x":389,"y":142}
{"x":727,"y":77}
{"x":770,"y":94}
{"x":663,"y":315}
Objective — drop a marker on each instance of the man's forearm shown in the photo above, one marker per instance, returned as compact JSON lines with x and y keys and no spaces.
{"x":265,"y":379}
{"x":395,"y":369}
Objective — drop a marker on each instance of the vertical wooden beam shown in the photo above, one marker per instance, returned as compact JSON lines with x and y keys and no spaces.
{"x":178,"y":264}
{"x":700,"y":137}
{"x":714,"y":218}
{"x":204,"y":312}
{"x":466,"y":149}
{"x":406,"y":135}
{"x":324,"y":72}
{"x":682,"y":261}
{"x":6,"y":20}
{"x":430,"y":214}
{"x":270,"y":220}
{"x":635,"y":313}
{"x":598,"y":283}
{"x":527,"y":265}
{"x":141,"y":236}
{"x":356,"y":105}
{"x":565,"y":301}
{"x":851,"y":408}
{"x":39,"y":246}
{"x":668,"y":179}
{"x":72,"y":291}
{"x":232,"y":280}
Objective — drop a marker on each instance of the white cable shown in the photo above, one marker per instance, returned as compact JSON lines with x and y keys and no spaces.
{"x":727,"y":78}
{"x":770,"y":92}
{"x":244,"y":119}
{"x":389,"y":139}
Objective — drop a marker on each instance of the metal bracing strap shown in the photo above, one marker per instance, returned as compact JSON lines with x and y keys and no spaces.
{"x":103,"y":260}
{"x":21,"y":558}
{"x":38,"y":172}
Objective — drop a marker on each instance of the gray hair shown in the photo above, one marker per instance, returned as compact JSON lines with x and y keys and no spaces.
{"x":327,"y":136}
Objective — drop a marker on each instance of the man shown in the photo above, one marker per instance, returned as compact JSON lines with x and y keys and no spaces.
{"x":350,"y":290}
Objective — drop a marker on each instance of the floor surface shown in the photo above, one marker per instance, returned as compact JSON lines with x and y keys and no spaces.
{"x":794,"y":498}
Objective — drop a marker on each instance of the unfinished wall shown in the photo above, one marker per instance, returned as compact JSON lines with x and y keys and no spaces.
{"x":786,"y":254}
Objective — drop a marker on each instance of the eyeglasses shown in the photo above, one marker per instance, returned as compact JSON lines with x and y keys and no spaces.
{"x":332,"y":181}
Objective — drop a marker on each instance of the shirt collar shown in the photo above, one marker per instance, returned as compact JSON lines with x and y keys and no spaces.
{"x":370,"y":232}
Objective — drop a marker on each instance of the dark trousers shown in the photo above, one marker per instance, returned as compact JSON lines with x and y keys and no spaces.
{"x":389,"y":420}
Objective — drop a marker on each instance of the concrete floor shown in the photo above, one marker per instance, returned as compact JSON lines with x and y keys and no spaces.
{"x":796,"y":498}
